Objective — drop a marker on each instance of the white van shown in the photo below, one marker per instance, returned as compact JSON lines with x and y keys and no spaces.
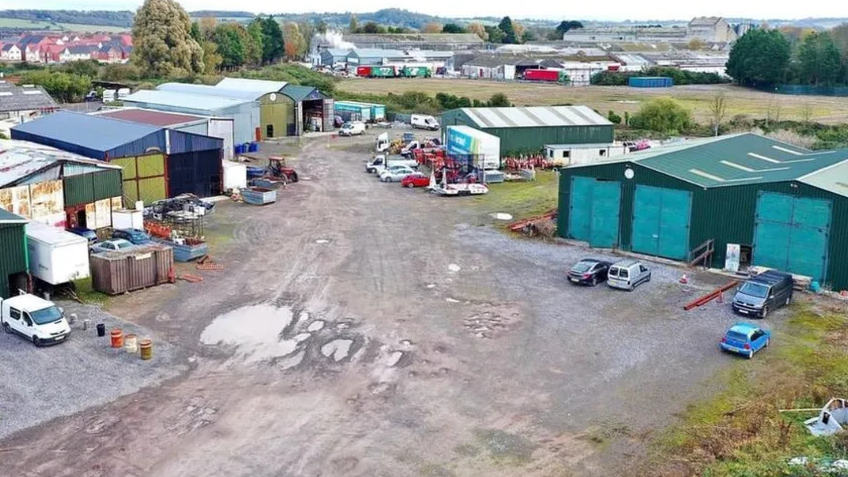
{"x":35,"y":319}
{"x":425,"y":122}
{"x":354,"y":128}
{"x":628,"y":274}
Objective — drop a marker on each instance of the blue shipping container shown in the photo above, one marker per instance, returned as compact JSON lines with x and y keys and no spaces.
{"x":650,"y":82}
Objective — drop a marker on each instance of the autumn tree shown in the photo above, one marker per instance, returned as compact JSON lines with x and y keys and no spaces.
{"x":478,"y":29}
{"x":207,"y":27}
{"x":432,"y":28}
{"x":718,"y":111}
{"x":211,"y":58}
{"x":162,"y":41}
{"x":295,"y":44}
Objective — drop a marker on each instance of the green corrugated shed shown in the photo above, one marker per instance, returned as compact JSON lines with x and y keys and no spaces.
{"x":729,"y":180}
{"x":88,"y":188}
{"x":529,"y":129}
{"x":13,"y":258}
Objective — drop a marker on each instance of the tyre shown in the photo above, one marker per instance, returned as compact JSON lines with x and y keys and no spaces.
{"x":293,"y":177}
{"x":788,"y":300}
{"x":750,"y":354}
{"x":768,"y":342}
{"x":594,"y":281}
{"x":7,"y":328}
{"x":388,"y":179}
{"x":765,"y":312}
{"x":410,"y":185}
{"x":36,"y":341}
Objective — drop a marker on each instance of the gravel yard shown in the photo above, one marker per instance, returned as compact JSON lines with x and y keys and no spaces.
{"x":364,"y":329}
{"x":40,"y":384}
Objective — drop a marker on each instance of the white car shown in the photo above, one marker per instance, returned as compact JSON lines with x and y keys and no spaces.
{"x":34,"y":319}
{"x":114,"y":245}
{"x":396,"y":173}
{"x":355,"y":128}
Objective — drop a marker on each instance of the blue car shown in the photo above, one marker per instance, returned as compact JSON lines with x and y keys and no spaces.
{"x":745,"y":339}
{"x":85,"y":233}
{"x":133,"y":236}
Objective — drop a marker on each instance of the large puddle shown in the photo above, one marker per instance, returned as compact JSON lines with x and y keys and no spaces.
{"x":255,"y":330}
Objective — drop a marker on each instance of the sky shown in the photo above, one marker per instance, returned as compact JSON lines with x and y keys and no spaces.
{"x":542,"y":9}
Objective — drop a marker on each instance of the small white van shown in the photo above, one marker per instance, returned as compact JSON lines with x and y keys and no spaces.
{"x":425,"y":122}
{"x":352,"y":128}
{"x":628,"y":274}
{"x":34,"y":319}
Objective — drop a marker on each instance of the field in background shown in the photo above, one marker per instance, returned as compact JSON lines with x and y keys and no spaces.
{"x":755,"y":104}
{"x":44,"y":25}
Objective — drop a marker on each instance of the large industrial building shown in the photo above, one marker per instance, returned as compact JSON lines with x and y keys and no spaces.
{"x":529,"y":129}
{"x":157,"y":162}
{"x":783,"y":207}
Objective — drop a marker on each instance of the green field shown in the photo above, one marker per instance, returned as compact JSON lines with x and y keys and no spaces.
{"x":45,"y":25}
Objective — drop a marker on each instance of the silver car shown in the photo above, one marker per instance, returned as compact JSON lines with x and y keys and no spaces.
{"x":112,"y":246}
{"x":396,"y":173}
{"x":628,"y":274}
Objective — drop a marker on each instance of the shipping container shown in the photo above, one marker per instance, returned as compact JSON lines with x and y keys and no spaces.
{"x":367,"y":112}
{"x":383,"y":72}
{"x":56,"y":256}
{"x":650,"y":82}
{"x":363,"y":71}
{"x":415,"y":72}
{"x":120,"y":272}
{"x":482,"y":150}
{"x":551,"y":76}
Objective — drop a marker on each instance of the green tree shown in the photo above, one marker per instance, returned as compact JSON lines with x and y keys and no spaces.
{"x":759,"y":58}
{"x":162,"y":41}
{"x":662,"y":115}
{"x":565,"y":25}
{"x":321,"y":26}
{"x":499,"y":100}
{"x":371,"y":27}
{"x":88,"y":68}
{"x":494,"y":34}
{"x":211,"y":58}
{"x":231,"y":46}
{"x":66,"y":87}
{"x":820,"y":59}
{"x":195,"y":33}
{"x":120,"y":73}
{"x":255,"y":46}
{"x":452,"y":28}
{"x":506,"y":26}
{"x":354,"y":25}
{"x":272,"y":40}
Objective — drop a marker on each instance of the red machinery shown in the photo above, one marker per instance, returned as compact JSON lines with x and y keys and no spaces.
{"x":277,"y":168}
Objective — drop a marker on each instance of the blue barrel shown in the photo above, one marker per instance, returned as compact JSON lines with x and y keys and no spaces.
{"x":253,"y":147}
{"x":238,"y":149}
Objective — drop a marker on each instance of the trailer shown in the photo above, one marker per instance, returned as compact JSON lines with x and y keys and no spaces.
{"x":366,"y":112}
{"x":548,"y":76}
{"x":482,"y":150}
{"x":383,"y":72}
{"x":363,"y":71}
{"x":415,"y":72}
{"x":56,"y":256}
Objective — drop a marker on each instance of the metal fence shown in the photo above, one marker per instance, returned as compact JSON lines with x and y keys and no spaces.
{"x":809,"y":90}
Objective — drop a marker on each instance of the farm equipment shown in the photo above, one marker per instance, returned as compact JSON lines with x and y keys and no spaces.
{"x":527,"y":162}
{"x":276,"y":169}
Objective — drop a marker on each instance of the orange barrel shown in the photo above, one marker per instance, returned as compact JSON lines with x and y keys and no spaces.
{"x":146,"y":348}
{"x":117,"y":338}
{"x":131,"y":344}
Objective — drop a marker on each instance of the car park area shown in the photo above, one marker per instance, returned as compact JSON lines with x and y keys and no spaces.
{"x":371,"y":329}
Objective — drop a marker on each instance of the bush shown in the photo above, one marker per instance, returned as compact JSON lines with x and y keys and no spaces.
{"x":680,"y":77}
{"x":120,"y":73}
{"x":662,"y":115}
{"x":614,"y":118}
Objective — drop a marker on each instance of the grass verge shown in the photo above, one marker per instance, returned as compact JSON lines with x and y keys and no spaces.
{"x":520,"y":199}
{"x":740,"y":432}
{"x":88,"y":295}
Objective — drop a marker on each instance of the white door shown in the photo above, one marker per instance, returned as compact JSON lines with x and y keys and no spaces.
{"x":223,"y":128}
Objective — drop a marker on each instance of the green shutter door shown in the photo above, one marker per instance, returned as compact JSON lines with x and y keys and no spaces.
{"x":792,"y":234}
{"x":661,"y":222}
{"x":594,"y":211}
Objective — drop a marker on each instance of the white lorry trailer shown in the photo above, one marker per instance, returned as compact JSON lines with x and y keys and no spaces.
{"x":56,"y":256}
{"x":483,"y":149}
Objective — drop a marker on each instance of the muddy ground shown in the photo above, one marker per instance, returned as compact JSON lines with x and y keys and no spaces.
{"x":362,"y":329}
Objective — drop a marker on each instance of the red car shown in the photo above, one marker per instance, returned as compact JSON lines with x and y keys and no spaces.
{"x":415,"y":180}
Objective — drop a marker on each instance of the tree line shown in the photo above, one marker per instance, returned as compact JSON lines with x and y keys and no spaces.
{"x":767,"y":57}
{"x":680,"y":77}
{"x":89,"y":17}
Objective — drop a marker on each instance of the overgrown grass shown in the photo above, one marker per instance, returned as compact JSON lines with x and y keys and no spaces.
{"x":521,"y":199}
{"x":740,"y":431}
{"x":86,"y":292}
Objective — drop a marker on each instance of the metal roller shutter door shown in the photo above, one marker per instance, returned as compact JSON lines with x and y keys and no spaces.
{"x":661,"y":222}
{"x":594,"y":211}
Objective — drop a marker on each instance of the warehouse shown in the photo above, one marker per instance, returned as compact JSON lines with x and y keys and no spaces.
{"x":333,"y":57}
{"x":780,"y":206}
{"x":13,"y":254}
{"x":141,"y":150}
{"x":275,"y":110}
{"x":313,"y":110}
{"x":244,"y":113}
{"x":527,"y":130}
{"x":58,"y":188}
{"x":221,"y":128}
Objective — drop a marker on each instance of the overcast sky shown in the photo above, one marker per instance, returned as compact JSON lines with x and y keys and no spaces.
{"x":554,"y":9}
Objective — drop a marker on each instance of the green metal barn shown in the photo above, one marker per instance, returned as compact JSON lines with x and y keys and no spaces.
{"x":528,"y":130}
{"x":786,"y":207}
{"x":13,"y":252}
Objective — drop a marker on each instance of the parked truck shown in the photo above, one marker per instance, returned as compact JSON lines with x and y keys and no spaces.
{"x":548,"y":76}
{"x":56,"y":256}
{"x":415,"y":72}
{"x":382,"y":161}
{"x":483,"y":150}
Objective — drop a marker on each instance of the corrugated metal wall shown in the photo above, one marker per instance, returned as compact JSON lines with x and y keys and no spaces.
{"x":278,"y":114}
{"x":114,"y":273}
{"x":198,"y":173}
{"x":12,"y":254}
{"x":245,"y":117}
{"x":725,"y":214}
{"x":181,"y":142}
{"x":152,"y":142}
{"x":143,"y":178}
{"x":88,"y":188}
{"x":201,"y":128}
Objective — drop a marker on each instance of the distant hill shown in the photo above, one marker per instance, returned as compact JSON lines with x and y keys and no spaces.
{"x":220,"y":14}
{"x":122,"y":19}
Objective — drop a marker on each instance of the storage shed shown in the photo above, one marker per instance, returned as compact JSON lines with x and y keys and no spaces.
{"x":782,"y":206}
{"x":275,"y":109}
{"x":243,"y":113}
{"x":58,"y":188}
{"x":313,"y":110}
{"x":13,"y":261}
{"x":529,"y":129}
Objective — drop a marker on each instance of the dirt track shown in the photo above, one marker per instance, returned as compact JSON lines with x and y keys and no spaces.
{"x":403,"y":342}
